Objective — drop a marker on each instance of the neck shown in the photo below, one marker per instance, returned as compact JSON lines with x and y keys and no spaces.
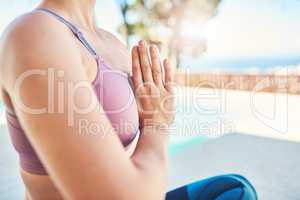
{"x":79,"y":11}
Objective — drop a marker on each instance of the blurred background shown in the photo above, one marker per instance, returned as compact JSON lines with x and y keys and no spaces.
{"x":204,"y":35}
{"x":238,"y":73}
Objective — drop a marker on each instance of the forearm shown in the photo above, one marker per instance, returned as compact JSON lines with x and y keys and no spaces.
{"x":152,"y":145}
{"x":150,"y":159}
{"x":155,"y":100}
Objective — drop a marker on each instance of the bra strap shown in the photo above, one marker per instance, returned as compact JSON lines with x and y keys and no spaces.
{"x":73,"y":28}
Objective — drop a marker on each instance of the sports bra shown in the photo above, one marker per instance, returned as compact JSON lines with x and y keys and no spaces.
{"x":114,"y":92}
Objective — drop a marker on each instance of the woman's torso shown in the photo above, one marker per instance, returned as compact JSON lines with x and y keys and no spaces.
{"x":119,"y":108}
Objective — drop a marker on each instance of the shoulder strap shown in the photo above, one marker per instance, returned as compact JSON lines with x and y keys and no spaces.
{"x":73,"y":28}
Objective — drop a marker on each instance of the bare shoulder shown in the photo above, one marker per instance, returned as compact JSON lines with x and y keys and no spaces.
{"x":32,"y":40}
{"x":32,"y":28}
{"x":37,"y":30}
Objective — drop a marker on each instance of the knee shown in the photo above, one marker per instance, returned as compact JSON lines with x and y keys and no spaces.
{"x":227,"y":187}
{"x":243,"y":186}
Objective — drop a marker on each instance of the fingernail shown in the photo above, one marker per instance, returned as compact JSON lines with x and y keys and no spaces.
{"x":167,"y":61}
{"x":154,"y":49}
{"x":141,"y":43}
{"x":134,"y":48}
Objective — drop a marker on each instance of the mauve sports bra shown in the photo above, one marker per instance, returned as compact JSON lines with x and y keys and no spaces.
{"x":114,"y":92}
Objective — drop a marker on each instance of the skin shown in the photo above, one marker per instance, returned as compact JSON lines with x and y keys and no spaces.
{"x":92,"y":168}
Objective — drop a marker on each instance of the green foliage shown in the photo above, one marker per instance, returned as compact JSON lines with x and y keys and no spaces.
{"x":161,"y":22}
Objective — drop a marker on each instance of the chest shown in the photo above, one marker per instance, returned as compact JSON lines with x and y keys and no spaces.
{"x":114,"y":54}
{"x":112,"y":85}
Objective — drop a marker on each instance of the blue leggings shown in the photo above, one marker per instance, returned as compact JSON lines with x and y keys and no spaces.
{"x":225,"y":187}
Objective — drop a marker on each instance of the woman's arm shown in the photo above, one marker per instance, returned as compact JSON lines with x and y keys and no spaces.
{"x":51,"y":93}
{"x":154,"y":93}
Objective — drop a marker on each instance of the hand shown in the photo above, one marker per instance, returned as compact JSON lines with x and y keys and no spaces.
{"x":153,"y":88}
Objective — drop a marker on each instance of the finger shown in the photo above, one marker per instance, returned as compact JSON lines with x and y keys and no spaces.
{"x":169,"y":77}
{"x":156,"y":66}
{"x":145,"y":62}
{"x":136,"y":68}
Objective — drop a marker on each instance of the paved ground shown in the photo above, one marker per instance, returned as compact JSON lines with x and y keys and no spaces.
{"x":272,"y":165}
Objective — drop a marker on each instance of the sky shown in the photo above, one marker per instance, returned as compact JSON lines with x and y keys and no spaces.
{"x":252,"y":36}
{"x":255,"y":28}
{"x":241,"y":29}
